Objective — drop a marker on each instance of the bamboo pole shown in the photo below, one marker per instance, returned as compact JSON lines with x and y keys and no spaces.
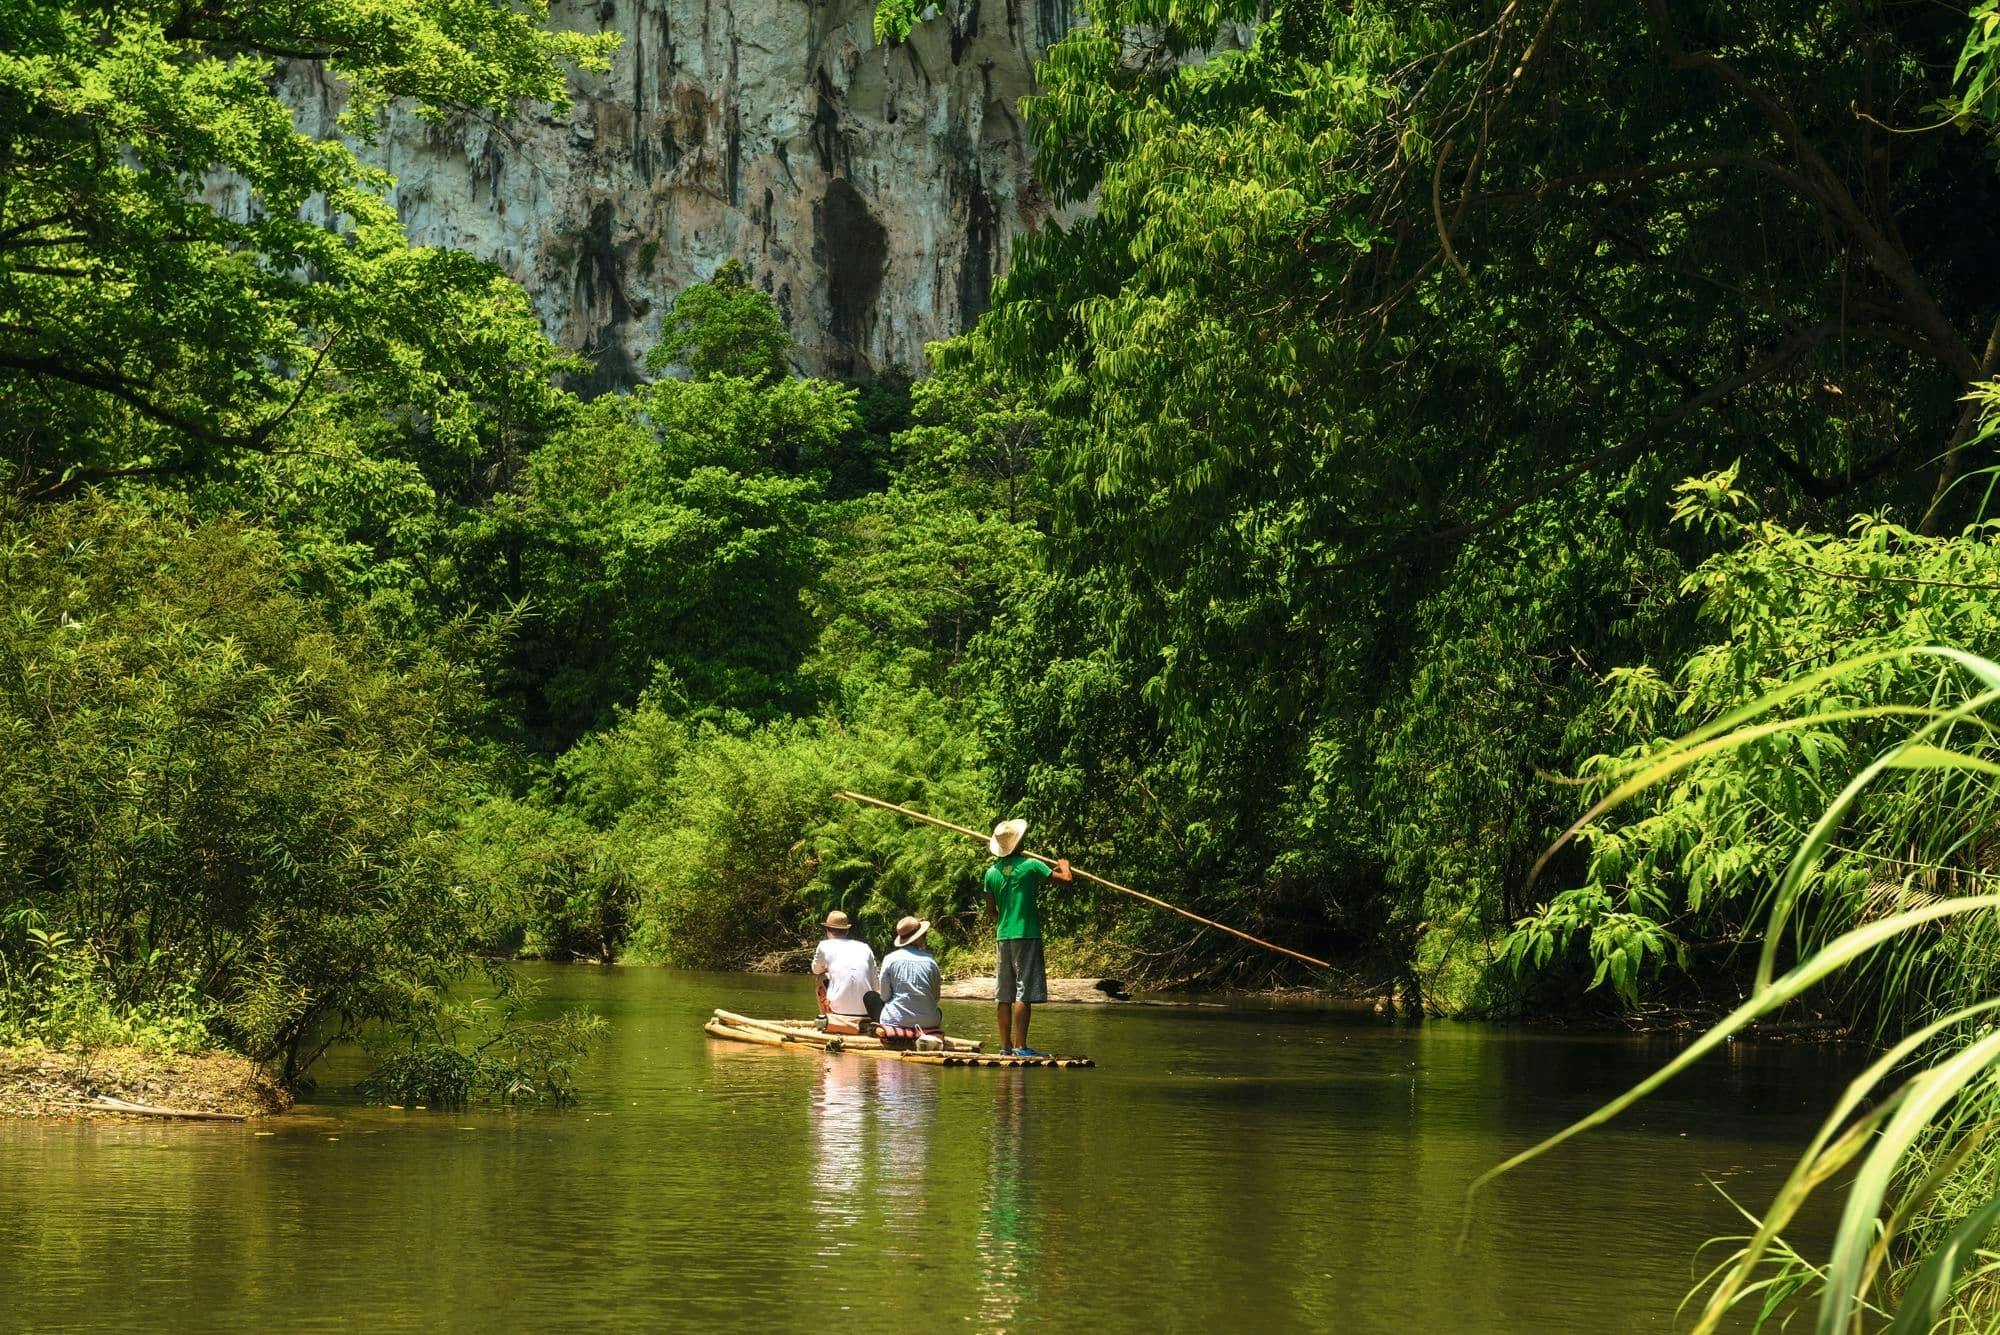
{"x":771,"y":1038}
{"x":808,"y":1034}
{"x":1078,"y":871}
{"x":106,"y":1103}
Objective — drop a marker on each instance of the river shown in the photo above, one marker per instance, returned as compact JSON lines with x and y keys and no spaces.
{"x":1250,"y":1167}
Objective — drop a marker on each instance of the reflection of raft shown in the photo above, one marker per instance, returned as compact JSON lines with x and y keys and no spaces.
{"x":802,"y":1034}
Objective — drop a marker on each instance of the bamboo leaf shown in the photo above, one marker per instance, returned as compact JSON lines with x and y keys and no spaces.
{"x":1925,"y":756}
{"x":1818,"y":1162}
{"x":1823,"y":830}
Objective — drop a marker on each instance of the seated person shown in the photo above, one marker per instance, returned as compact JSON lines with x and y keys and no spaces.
{"x":910,"y":984}
{"x":844,"y":971}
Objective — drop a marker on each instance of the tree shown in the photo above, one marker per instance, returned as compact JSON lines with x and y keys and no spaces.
{"x":213,"y":788}
{"x":661,"y":540}
{"x":1401,"y":323}
{"x":724,"y":327}
{"x":182,"y":271}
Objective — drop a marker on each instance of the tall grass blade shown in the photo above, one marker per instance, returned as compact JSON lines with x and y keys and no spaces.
{"x":1934,"y":1089}
{"x":1818,"y":1162}
{"x":1673,"y":759}
{"x":1828,"y":960}
{"x":1939,"y":1275}
{"x":1830,"y":821}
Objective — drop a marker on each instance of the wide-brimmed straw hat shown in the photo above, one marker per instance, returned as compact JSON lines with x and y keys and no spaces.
{"x":1006,"y":837}
{"x":838,"y":921}
{"x":909,"y":931}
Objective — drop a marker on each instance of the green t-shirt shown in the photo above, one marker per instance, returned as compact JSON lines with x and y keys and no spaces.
{"x":1012,"y":882}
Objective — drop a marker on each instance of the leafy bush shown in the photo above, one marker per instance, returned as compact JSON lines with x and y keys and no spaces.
{"x":1913,"y":942}
{"x":206,"y":787}
{"x":663,"y":537}
{"x":1691,"y":862}
{"x":56,"y":991}
{"x":458,"y":1050}
{"x":729,"y":839}
{"x":549,"y":884}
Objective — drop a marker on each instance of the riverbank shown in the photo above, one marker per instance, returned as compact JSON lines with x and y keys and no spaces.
{"x":42,"y":1082}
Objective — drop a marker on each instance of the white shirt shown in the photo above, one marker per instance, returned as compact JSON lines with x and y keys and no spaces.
{"x":849,"y":966}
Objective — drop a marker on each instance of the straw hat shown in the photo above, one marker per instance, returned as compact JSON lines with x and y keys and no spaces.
{"x":910,"y":931}
{"x":838,"y":921}
{"x":1006,"y":837}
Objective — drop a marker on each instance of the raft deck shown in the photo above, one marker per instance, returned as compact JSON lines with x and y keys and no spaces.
{"x":801,"y":1034}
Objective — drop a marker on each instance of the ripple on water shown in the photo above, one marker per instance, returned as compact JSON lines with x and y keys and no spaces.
{"x":1226,"y":1169}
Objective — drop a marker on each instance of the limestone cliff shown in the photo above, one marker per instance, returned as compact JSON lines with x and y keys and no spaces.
{"x":872,"y":191}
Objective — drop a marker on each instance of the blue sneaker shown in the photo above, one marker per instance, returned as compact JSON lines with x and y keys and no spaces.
{"x":1026,"y":1052}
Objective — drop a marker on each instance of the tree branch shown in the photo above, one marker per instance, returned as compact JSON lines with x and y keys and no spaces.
{"x":1827,"y":185}
{"x":1782,"y":356}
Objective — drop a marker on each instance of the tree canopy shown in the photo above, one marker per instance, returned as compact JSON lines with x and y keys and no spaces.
{"x":181,"y":269}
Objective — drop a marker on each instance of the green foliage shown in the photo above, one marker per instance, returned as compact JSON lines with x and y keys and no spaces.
{"x":1374,"y":360}
{"x":207,"y":786}
{"x":894,"y":19}
{"x":1701,"y":854}
{"x":151,"y":327}
{"x":667,"y":537}
{"x":742,"y":666}
{"x":1978,"y":69}
{"x":56,"y":991}
{"x":551,"y":886}
{"x":918,"y":572}
{"x":1910,"y":1140}
{"x":459,"y":1051}
{"x":724,"y":327}
{"x":734,"y":844}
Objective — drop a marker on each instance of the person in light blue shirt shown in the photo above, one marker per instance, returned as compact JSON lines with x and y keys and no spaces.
{"x":911,"y":981}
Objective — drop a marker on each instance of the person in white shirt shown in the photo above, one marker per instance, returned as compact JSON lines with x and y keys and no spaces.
{"x":844,"y":971}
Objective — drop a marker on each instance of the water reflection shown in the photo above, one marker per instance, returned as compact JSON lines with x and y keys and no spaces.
{"x":1294,"y":1171}
{"x":1009,"y":1241}
{"x":839,"y":1130}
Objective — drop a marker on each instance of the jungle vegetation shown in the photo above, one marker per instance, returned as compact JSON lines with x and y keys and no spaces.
{"x":1427,"y":412}
{"x":1498,"y":493}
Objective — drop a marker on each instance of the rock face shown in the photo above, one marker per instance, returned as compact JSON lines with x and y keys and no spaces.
{"x":873,"y":191}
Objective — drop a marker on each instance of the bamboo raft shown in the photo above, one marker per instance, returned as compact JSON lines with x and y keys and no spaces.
{"x":802,"y":1034}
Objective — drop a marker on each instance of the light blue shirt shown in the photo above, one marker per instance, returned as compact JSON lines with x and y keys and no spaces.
{"x":910,"y":983}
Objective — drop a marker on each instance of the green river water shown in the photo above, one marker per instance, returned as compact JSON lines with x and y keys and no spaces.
{"x":1224,"y":1168}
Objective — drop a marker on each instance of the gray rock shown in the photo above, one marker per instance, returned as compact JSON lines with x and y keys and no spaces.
{"x":874,"y":192}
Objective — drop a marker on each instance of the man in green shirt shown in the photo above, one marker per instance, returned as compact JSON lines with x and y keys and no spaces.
{"x":1022,"y":981}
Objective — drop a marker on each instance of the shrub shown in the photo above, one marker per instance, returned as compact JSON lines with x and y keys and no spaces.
{"x":550,"y":885}
{"x":210,"y":790}
{"x":55,"y":990}
{"x":734,"y":844}
{"x":461,"y":1050}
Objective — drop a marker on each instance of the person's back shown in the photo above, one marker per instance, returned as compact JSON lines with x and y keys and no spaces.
{"x":911,"y":982}
{"x":846,"y":968}
{"x":1020,"y":976}
{"x":1011,"y":881}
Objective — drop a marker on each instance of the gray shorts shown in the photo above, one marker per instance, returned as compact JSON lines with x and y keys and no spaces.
{"x":1020,"y":975}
